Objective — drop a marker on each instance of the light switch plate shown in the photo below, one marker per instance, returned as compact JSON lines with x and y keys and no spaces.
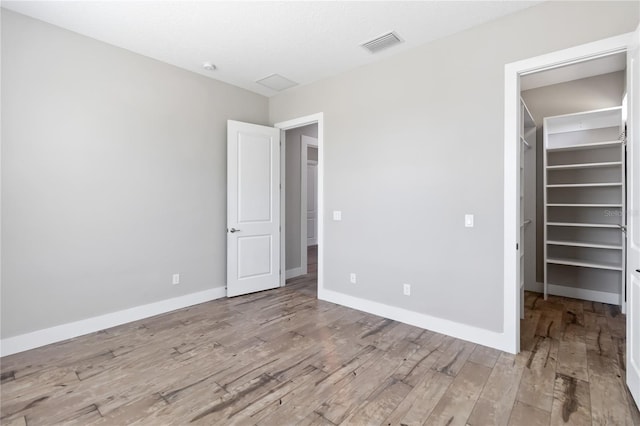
{"x":337,"y":215}
{"x":468,"y":220}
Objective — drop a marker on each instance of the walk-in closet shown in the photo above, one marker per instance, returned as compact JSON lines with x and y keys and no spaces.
{"x":573,"y":181}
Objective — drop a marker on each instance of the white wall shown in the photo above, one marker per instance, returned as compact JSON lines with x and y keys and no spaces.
{"x":586,"y":94}
{"x":414,"y":142}
{"x":292,"y":193}
{"x":113,"y":177}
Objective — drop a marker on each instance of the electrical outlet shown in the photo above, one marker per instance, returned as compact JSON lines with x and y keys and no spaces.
{"x":175,"y":279}
{"x":406,"y":289}
{"x":352,"y":277}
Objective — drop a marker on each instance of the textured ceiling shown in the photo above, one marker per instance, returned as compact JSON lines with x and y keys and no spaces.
{"x":247,"y":41}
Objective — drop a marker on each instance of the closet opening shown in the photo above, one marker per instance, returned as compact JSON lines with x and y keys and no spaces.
{"x":583,"y":278}
{"x":572,"y":184}
{"x":574,"y":259}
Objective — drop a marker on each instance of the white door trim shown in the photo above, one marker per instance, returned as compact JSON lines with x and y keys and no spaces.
{"x":314,"y":164}
{"x":513,"y":71}
{"x":305,"y":143}
{"x":291,"y":124}
{"x":633,"y":217}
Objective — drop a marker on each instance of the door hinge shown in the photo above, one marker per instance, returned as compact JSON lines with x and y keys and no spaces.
{"x":517,"y":246}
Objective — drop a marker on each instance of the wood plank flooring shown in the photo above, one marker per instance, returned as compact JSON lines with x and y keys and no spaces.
{"x":282,"y":357}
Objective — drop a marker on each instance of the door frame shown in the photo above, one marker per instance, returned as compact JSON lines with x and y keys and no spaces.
{"x":304,"y":145}
{"x":511,"y":150}
{"x":313,"y":163}
{"x":318,"y":119}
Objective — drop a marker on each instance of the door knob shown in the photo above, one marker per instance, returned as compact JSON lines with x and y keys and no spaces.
{"x":233,"y":230}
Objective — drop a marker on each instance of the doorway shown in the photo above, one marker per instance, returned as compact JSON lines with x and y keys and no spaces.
{"x":301,"y":205}
{"x":559,"y":138}
{"x":298,"y":143}
{"x":256,"y":205}
{"x":577,"y":95}
{"x":512,"y":150}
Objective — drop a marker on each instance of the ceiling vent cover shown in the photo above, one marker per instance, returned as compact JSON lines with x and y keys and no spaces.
{"x":383,"y":42}
{"x":277,"y":82}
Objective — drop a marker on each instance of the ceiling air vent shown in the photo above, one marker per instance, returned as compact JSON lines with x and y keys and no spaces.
{"x":277,"y":82}
{"x":384,"y":41}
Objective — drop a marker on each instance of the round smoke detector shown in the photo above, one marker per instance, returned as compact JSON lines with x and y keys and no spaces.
{"x":209,"y":66}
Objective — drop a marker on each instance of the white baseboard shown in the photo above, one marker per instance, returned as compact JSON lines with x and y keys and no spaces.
{"x":35,"y":339}
{"x":458,"y":330}
{"x":535,"y":287}
{"x":295,"y":272}
{"x":577,"y":293}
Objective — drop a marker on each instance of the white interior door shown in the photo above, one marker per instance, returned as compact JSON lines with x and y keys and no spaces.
{"x":633,"y":217}
{"x":312,"y":203}
{"x":253,"y":208}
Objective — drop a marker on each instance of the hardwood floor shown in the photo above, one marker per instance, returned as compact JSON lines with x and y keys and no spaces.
{"x":282,"y":357}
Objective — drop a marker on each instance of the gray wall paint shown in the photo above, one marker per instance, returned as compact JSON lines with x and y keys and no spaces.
{"x":113,"y":176}
{"x":113,"y":169}
{"x":602,"y":91}
{"x":414,"y":142}
{"x":292,"y":192}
